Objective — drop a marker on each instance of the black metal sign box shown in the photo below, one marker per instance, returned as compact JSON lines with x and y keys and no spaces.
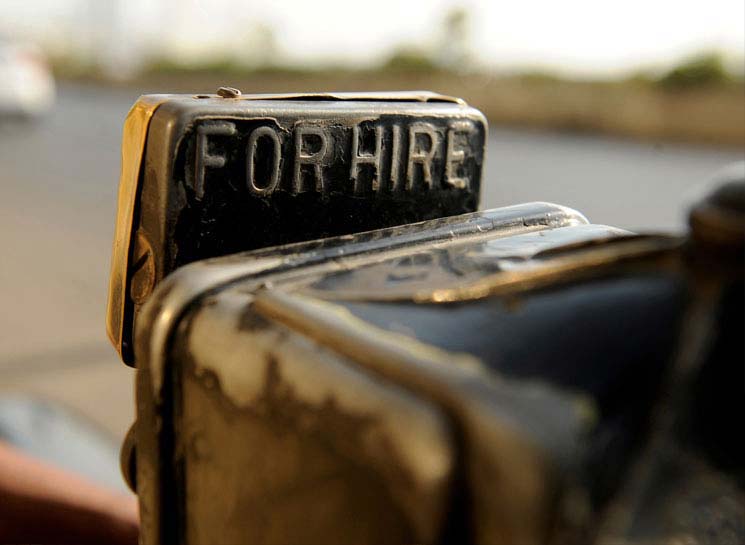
{"x":205,"y":175}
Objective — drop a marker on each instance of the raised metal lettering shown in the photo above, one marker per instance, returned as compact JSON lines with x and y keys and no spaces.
{"x":421,"y":156}
{"x":395,"y":158}
{"x":373,"y":159}
{"x":271,"y":185}
{"x":315,"y":159}
{"x":455,"y":156}
{"x":202,"y":158}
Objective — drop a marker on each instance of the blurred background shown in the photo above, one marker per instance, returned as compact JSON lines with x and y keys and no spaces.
{"x":619,"y":109}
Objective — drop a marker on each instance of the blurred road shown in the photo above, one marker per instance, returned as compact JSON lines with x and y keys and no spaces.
{"x":59,"y":178}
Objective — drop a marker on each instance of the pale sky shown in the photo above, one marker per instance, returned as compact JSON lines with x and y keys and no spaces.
{"x":580,"y":36}
{"x":576,"y":34}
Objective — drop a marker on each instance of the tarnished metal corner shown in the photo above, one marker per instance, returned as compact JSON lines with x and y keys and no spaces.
{"x":134,"y":137}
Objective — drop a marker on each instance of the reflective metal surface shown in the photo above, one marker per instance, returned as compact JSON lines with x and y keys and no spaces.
{"x":509,"y":376}
{"x":464,"y":385}
{"x":133,"y":149}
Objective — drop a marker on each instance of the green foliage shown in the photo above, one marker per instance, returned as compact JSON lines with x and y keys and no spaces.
{"x":408,"y":59}
{"x":703,"y":70}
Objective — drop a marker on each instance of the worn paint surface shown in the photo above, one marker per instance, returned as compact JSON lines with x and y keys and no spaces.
{"x":312,"y":441}
{"x":314,"y":363}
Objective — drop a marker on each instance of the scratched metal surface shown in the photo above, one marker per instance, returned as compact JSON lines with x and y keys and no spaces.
{"x":550,"y":420}
{"x":524,"y":329}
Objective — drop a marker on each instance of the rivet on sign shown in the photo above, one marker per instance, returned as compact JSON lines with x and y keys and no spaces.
{"x":228,"y":92}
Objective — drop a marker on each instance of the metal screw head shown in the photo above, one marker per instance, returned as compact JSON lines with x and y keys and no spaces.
{"x":228,"y":92}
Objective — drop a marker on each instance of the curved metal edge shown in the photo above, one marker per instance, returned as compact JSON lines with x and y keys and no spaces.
{"x":134,"y":137}
{"x":373,"y":96}
{"x":505,"y":434}
{"x":173,"y":296}
{"x":176,"y":294}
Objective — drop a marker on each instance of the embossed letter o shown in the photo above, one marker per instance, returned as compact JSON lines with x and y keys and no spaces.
{"x":267,"y":188}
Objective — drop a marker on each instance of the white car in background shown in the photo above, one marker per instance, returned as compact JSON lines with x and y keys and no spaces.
{"x":27,"y":87}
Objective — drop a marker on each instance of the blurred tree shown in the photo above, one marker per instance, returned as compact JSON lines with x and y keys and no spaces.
{"x":409,"y":59}
{"x":258,"y":47}
{"x":454,"y":47}
{"x":450,"y":50}
{"x":706,"y":69}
